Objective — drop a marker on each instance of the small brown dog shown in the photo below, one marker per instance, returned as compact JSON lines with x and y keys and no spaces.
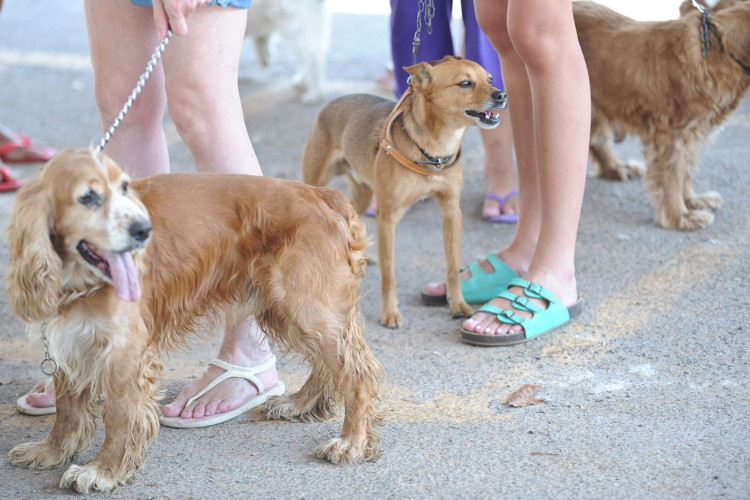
{"x":651,"y":79}
{"x":405,"y":152}
{"x":116,"y":271}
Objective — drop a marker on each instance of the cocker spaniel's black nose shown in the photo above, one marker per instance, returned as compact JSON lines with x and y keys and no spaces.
{"x":140,"y":230}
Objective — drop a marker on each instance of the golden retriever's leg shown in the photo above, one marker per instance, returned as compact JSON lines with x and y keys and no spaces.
{"x":449,"y":203}
{"x":130,"y":423}
{"x":388,"y":217}
{"x":668,"y":176}
{"x":608,"y":165}
{"x":72,"y":431}
{"x":710,"y":200}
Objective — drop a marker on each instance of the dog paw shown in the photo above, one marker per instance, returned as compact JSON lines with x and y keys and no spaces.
{"x":633,"y":169}
{"x":690,"y":221}
{"x":286,"y":408}
{"x":461,"y":310}
{"x":340,"y":450}
{"x":622,"y":171}
{"x":37,"y":455}
{"x":88,"y":478}
{"x":710,"y":200}
{"x":391,"y":319}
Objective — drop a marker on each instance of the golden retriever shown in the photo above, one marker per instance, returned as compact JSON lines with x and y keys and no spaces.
{"x":114,"y":271}
{"x":401,"y":152}
{"x":650,"y":79}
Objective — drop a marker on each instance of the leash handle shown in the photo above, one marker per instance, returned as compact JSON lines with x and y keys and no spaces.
{"x":697,"y":5}
{"x":137,"y":90}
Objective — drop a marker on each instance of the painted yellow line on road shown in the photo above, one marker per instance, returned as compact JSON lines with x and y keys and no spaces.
{"x":632,"y":309}
{"x":50,"y":60}
{"x":622,"y":316}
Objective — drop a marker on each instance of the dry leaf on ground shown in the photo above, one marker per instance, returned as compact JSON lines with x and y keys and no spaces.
{"x":525,"y":396}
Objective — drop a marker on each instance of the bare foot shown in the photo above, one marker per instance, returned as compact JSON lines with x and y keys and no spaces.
{"x":40,"y":396}
{"x":500,"y":196}
{"x":226,"y":396}
{"x":439,"y":289}
{"x":488,"y":324}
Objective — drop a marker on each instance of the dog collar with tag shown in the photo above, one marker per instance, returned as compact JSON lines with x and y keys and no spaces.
{"x":439,"y":165}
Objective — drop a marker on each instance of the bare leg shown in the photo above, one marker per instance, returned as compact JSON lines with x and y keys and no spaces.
{"x":208,"y":115}
{"x":548,"y":91}
{"x":500,"y":174}
{"x":201,"y":82}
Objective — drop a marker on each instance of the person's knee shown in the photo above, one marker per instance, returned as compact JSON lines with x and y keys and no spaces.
{"x":148,"y":107}
{"x":493,"y":23}
{"x":189,"y":110}
{"x":535,"y":47}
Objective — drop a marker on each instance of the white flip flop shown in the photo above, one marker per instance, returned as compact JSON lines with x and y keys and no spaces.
{"x":230,"y":371}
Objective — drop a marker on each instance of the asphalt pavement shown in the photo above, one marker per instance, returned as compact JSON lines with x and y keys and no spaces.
{"x":646,"y":394}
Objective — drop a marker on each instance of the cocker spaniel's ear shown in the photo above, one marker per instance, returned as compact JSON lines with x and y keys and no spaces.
{"x":34,"y":275}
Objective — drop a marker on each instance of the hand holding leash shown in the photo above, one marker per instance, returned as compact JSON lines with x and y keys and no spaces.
{"x":173,"y":14}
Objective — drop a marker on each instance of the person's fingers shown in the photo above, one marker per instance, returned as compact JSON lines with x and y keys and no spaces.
{"x":161,"y":18}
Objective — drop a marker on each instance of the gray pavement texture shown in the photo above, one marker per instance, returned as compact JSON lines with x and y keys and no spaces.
{"x":646,"y":394}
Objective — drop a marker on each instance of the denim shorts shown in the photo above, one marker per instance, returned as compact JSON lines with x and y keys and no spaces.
{"x":240,"y":4}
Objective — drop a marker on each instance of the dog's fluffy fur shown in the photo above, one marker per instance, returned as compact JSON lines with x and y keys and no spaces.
{"x":304,"y":25}
{"x":228,"y":246}
{"x":651,"y":80}
{"x":448,"y":96}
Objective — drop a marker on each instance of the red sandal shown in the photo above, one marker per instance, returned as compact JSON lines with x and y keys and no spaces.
{"x":34,"y":153}
{"x":8,"y":183}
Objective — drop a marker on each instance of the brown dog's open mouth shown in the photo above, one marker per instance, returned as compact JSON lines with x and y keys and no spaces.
{"x":490,"y":117}
{"x":119,"y":267}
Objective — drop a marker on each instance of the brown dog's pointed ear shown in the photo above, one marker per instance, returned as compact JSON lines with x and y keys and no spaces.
{"x":420,"y":75}
{"x":34,"y":276}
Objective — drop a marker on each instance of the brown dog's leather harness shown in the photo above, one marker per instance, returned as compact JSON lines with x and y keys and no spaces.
{"x":441,"y":165}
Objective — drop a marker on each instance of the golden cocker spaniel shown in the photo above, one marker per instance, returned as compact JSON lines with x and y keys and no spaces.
{"x":115,"y":271}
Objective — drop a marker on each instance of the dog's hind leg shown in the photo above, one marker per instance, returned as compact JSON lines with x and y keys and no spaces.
{"x":72,"y":431}
{"x":328,"y":333}
{"x":361,"y":195}
{"x":357,"y":374}
{"x":342,"y":370}
{"x":314,"y":402}
{"x":668,"y":179}
{"x":319,"y":159}
{"x":607,"y":163}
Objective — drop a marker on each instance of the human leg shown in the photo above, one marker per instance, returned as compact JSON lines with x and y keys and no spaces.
{"x":500,"y":203}
{"x":547,"y":84}
{"x":122,"y":39}
{"x":204,"y":102}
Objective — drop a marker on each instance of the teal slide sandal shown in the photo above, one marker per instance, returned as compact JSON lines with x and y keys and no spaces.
{"x":542,"y":320}
{"x":482,"y":286}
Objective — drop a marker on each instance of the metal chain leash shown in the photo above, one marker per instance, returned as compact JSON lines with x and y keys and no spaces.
{"x":137,"y":90}
{"x":707,"y":28}
{"x":49,"y":366}
{"x":428,"y":10}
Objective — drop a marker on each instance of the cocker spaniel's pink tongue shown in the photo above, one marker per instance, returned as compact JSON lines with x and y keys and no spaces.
{"x":124,"y":275}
